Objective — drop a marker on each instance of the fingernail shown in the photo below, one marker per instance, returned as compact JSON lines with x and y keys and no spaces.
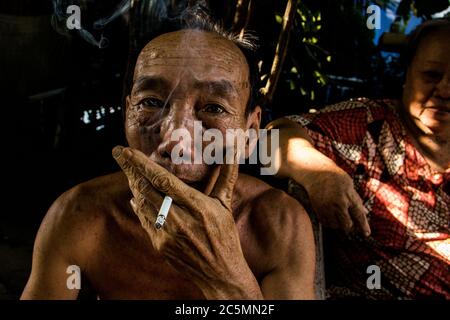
{"x":117,"y":151}
{"x":133,"y":204}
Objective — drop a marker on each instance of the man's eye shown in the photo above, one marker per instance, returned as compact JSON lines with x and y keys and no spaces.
{"x":213,"y":108}
{"x":152,"y":103}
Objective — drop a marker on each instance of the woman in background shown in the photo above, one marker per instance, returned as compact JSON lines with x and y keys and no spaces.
{"x":381,"y":167}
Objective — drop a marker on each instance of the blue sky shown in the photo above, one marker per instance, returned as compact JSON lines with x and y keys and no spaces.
{"x":388,"y":16}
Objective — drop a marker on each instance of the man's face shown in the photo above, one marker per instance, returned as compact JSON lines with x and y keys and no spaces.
{"x":182,"y":77}
{"x":426,"y":96}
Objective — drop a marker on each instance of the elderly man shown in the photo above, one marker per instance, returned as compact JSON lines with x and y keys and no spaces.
{"x":227,"y":236}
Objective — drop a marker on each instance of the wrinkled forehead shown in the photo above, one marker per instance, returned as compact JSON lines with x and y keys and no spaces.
{"x":191,"y":48}
{"x":434,"y":46}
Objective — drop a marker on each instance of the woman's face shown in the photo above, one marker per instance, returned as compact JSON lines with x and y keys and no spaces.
{"x":426,"y":95}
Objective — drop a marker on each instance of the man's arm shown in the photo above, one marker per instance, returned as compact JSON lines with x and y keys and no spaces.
{"x":330,"y":189}
{"x":53,"y":249}
{"x":288,"y":235}
{"x":201,"y":237}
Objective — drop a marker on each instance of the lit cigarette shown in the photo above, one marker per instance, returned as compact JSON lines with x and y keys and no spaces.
{"x":163,"y":212}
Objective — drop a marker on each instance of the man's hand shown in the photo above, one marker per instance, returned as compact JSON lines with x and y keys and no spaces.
{"x":199,"y":237}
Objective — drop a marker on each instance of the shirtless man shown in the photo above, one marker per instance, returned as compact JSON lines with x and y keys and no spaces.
{"x":227,"y":235}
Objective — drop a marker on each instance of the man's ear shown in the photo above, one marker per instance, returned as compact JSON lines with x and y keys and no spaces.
{"x":125,"y":115}
{"x":127,"y":102}
{"x":253,"y":123}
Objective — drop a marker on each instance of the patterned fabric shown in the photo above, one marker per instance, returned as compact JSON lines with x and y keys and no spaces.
{"x":409,"y":204}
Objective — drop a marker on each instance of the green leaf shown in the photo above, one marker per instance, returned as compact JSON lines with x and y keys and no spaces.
{"x":291,"y":85}
{"x":278,"y":18}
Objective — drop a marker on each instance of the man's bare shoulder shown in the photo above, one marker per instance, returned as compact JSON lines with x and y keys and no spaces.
{"x":102,"y":188}
{"x":277,"y":239}
{"x":276,"y":217}
{"x":93,"y":197}
{"x":263,"y":197}
{"x":79,"y":214}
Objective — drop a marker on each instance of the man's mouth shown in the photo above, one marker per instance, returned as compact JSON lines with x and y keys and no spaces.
{"x":181,"y":171}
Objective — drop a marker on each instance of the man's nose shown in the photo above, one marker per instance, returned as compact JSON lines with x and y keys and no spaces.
{"x":167,"y":146}
{"x":179,"y":121}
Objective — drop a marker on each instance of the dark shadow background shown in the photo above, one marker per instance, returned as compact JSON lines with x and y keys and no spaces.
{"x":61,"y":97}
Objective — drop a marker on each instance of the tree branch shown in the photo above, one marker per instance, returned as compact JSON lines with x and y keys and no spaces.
{"x":242,"y":7}
{"x":280,"y":52}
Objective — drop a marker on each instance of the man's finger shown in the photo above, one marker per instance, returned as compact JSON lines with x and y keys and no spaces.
{"x":148,"y":224}
{"x":124,"y":164}
{"x":214,"y":175}
{"x":139,"y":185}
{"x":224,"y":187}
{"x":145,"y":220}
{"x":146,"y":196}
{"x":161,"y":179}
{"x":359,"y":215}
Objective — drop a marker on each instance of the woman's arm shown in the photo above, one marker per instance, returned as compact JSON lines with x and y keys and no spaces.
{"x":329,"y":188}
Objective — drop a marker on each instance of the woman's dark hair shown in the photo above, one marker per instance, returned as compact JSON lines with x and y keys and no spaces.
{"x":197,"y":18}
{"x":421,"y":31}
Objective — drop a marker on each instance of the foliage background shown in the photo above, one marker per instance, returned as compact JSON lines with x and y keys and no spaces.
{"x":62,"y":97}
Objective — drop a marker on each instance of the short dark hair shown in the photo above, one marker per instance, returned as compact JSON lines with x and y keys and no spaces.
{"x":198,"y":19}
{"x":420,"y":32}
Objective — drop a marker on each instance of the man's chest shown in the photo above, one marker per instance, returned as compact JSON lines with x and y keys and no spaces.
{"x":126,"y":266}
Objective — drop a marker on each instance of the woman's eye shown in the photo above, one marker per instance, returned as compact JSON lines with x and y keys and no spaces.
{"x":152,"y":103}
{"x":213,"y":108}
{"x":433,"y":75}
